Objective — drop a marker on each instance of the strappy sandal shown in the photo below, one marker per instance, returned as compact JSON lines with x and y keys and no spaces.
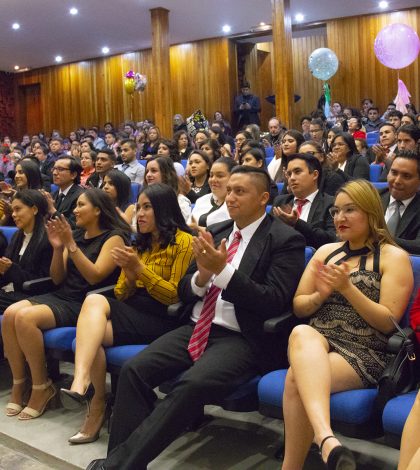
{"x":30,"y":413}
{"x":13,"y":409}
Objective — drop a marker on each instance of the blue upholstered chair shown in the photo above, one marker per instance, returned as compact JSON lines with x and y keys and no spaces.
{"x":8,"y":232}
{"x":372,"y":138}
{"x":353,"y":413}
{"x":269,"y":153}
{"x":375,"y":172}
{"x":135,"y":190}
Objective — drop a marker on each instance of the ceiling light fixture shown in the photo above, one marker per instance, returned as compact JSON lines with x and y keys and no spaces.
{"x":262,"y":23}
{"x":58,"y":58}
{"x":226,"y":28}
{"x":16,"y":67}
{"x":299,"y":17}
{"x":383,"y":5}
{"x":105,"y":50}
{"x":15,"y":25}
{"x":73,"y":11}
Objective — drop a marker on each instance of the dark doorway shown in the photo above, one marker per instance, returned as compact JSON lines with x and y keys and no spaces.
{"x":30,"y":113}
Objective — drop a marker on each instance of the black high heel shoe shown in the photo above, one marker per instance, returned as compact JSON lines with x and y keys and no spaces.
{"x":73,"y":400}
{"x":340,"y":458}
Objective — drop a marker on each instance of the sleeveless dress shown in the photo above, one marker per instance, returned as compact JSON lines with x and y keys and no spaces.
{"x":66,"y":301}
{"x":347,"y":333}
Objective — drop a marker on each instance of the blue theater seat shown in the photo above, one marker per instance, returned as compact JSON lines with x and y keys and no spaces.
{"x":269,"y":153}
{"x":372,"y":138}
{"x":184,"y":162}
{"x":280,"y":187}
{"x":135,"y":191}
{"x":9,"y":232}
{"x":353,"y":412}
{"x":395,"y":414}
{"x":375,"y":172}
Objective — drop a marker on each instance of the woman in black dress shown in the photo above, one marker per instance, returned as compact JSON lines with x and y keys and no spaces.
{"x":81,"y":261}
{"x":29,"y":253}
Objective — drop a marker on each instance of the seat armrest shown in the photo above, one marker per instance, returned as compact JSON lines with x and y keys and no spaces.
{"x":175,"y":310}
{"x":107,"y":291}
{"x":278,"y":324}
{"x":41,"y":285}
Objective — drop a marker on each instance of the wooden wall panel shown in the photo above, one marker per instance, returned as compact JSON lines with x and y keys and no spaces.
{"x":201,"y":75}
{"x":360,"y":73}
{"x":306,"y":86}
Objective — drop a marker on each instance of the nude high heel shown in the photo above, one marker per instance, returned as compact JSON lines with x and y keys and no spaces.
{"x":13,"y":409}
{"x":30,"y":413}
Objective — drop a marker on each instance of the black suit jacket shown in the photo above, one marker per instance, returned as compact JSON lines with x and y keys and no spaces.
{"x":357,"y":167}
{"x":69,"y":203}
{"x":262,"y":287}
{"x":319,"y":229}
{"x":408,"y":232}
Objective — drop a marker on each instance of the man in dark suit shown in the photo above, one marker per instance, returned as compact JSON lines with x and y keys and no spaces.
{"x":246,"y":107}
{"x":401,"y":201}
{"x":104,"y":163}
{"x":306,"y":209}
{"x":66,"y":175}
{"x":246,"y":271}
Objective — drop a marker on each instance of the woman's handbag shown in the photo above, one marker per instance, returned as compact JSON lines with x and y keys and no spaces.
{"x":399,"y":375}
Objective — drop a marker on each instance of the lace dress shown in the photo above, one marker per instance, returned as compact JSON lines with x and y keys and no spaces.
{"x":347,"y":333}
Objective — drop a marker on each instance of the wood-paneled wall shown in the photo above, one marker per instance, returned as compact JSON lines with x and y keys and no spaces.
{"x":92,"y":92}
{"x":204,"y":75}
{"x":360,"y":74}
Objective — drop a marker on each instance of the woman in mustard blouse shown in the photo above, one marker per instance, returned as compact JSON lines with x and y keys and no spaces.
{"x":147,"y":284}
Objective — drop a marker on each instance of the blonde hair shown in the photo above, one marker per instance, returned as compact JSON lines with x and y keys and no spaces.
{"x":366,"y":197}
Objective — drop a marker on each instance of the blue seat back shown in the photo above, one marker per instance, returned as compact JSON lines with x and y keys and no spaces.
{"x":54,"y":188}
{"x":9,"y":232}
{"x":372,"y":138}
{"x":269,"y":153}
{"x":135,"y":190}
{"x":375,"y":172}
{"x":184,"y":162}
{"x":280,"y":187}
{"x":268,"y":160}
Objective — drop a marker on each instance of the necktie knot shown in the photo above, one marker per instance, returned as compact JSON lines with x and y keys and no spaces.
{"x":299,"y":205}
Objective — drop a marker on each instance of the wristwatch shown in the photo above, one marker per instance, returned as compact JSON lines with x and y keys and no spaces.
{"x":73,"y":248}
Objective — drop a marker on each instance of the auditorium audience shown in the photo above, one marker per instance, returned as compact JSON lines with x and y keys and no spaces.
{"x":81,"y":261}
{"x":130,"y":166}
{"x":211,"y":208}
{"x":306,"y":209}
{"x":345,"y":157}
{"x":147,"y":285}
{"x":161,"y":170}
{"x":28,"y":256}
{"x":348,"y":291}
{"x":401,"y":201}
{"x":257,"y":280}
{"x":198,"y":170}
{"x":87,"y":161}
{"x":331,"y":180}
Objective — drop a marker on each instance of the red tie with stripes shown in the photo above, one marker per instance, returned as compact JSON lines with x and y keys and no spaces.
{"x":200,"y":335}
{"x":299,"y":205}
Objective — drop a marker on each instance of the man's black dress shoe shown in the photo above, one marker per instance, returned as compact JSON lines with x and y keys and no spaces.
{"x":98,"y":464}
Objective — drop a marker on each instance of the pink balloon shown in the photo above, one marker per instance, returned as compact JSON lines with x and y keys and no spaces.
{"x":397,"y":46}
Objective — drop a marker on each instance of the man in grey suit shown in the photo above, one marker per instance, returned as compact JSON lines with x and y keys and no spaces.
{"x":306,"y":208}
{"x":401,"y":201}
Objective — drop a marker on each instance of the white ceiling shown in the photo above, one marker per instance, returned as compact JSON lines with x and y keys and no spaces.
{"x":47,"y":29}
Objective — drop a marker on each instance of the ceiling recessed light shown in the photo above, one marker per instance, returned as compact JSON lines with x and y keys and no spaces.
{"x":58,"y":58}
{"x":16,"y":67}
{"x":299,"y":17}
{"x":105,"y":50}
{"x":262,"y":23}
{"x":226,"y":28}
{"x":73,"y":11}
{"x":15,"y":25}
{"x":383,"y":5}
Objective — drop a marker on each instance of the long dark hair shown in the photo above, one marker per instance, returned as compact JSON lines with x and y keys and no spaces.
{"x":32,"y":173}
{"x":31,"y":198}
{"x":109,"y":218}
{"x":167,"y":172}
{"x":168,"y":216}
{"x":122,"y":184}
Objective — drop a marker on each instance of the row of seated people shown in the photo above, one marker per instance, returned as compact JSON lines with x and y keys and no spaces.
{"x":245,"y":270}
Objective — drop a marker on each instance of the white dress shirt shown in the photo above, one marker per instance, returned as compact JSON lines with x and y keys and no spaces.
{"x":307,"y":207}
{"x":225,"y":311}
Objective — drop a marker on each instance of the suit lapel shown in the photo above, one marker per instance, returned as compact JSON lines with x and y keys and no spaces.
{"x":314,"y":207}
{"x":407,"y":217}
{"x":255,"y":247}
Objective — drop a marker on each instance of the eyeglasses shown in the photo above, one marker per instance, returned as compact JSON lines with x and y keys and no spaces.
{"x":345,"y":210}
{"x":60,"y":169}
